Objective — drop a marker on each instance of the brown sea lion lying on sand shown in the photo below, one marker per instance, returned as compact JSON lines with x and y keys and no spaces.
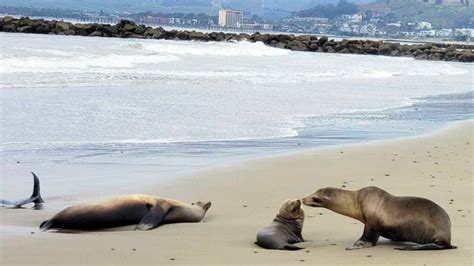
{"x":146,"y":211}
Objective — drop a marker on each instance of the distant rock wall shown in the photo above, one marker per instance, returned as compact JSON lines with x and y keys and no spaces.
{"x":128,"y":29}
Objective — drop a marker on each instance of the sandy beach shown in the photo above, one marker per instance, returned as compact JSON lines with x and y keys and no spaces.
{"x":246,"y":197}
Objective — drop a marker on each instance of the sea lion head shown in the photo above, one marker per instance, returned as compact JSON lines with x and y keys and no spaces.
{"x":206,"y":205}
{"x":320,"y":198}
{"x":292,"y":209}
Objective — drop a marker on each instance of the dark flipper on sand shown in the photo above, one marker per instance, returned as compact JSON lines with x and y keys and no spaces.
{"x":34,"y":198}
{"x":152,"y":219}
{"x":430,"y":246}
{"x":292,"y":247}
{"x":46,"y":225}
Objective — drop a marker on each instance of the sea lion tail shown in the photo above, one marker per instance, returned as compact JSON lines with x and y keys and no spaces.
{"x":46,"y":225}
{"x":292,"y":247}
{"x":36,"y":196}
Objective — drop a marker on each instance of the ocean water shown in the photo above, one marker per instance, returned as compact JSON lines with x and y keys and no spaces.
{"x":98,"y":116}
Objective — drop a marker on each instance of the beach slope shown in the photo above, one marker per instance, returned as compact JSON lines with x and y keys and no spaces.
{"x":246,"y":197}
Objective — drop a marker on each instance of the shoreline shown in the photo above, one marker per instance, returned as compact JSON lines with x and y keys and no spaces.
{"x":436,"y":165}
{"x":233,"y":163}
{"x":308,"y":43}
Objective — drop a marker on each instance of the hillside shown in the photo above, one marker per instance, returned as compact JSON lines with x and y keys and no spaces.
{"x":168,"y":6}
{"x":439,"y":16}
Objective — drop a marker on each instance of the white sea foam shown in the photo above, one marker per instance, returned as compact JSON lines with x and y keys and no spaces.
{"x":86,"y":91}
{"x":78,"y":63}
{"x":214,"y":49}
{"x":74,"y":61}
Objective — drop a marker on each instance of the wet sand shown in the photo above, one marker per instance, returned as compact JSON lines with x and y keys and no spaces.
{"x":246,"y":197}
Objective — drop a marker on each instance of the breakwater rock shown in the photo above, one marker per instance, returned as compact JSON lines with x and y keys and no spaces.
{"x":310,"y":43}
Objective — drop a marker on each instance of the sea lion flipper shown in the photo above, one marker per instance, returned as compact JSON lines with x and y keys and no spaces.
{"x":46,"y":225}
{"x":369,"y":238}
{"x":292,"y":247}
{"x":359,"y":244}
{"x":152,"y":219}
{"x":34,"y":198}
{"x":36,"y":195}
{"x":429,"y":246}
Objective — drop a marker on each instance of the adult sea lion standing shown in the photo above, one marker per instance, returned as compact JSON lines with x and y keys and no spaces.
{"x":285,"y":230}
{"x":146,"y":211}
{"x":409,"y":219}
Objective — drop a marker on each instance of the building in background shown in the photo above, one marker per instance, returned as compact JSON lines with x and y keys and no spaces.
{"x":230,"y":18}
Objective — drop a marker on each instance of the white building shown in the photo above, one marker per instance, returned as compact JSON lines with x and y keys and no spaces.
{"x":445,"y":33}
{"x":424,"y":26}
{"x":353,"y":18}
{"x":230,"y":18}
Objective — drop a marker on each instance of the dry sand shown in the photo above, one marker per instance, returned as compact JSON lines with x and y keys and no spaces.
{"x":246,"y":197}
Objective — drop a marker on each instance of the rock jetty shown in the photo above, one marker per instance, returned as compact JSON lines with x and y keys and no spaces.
{"x":310,"y":43}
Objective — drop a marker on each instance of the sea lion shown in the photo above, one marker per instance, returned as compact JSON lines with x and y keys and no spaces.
{"x":147,"y":211}
{"x":285,"y":230}
{"x":404,"y":219}
{"x":34,"y":198}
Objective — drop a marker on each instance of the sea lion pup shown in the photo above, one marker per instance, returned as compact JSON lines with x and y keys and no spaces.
{"x":146,"y":211}
{"x":34,"y":198}
{"x":285,"y":230}
{"x":407,"y":219}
